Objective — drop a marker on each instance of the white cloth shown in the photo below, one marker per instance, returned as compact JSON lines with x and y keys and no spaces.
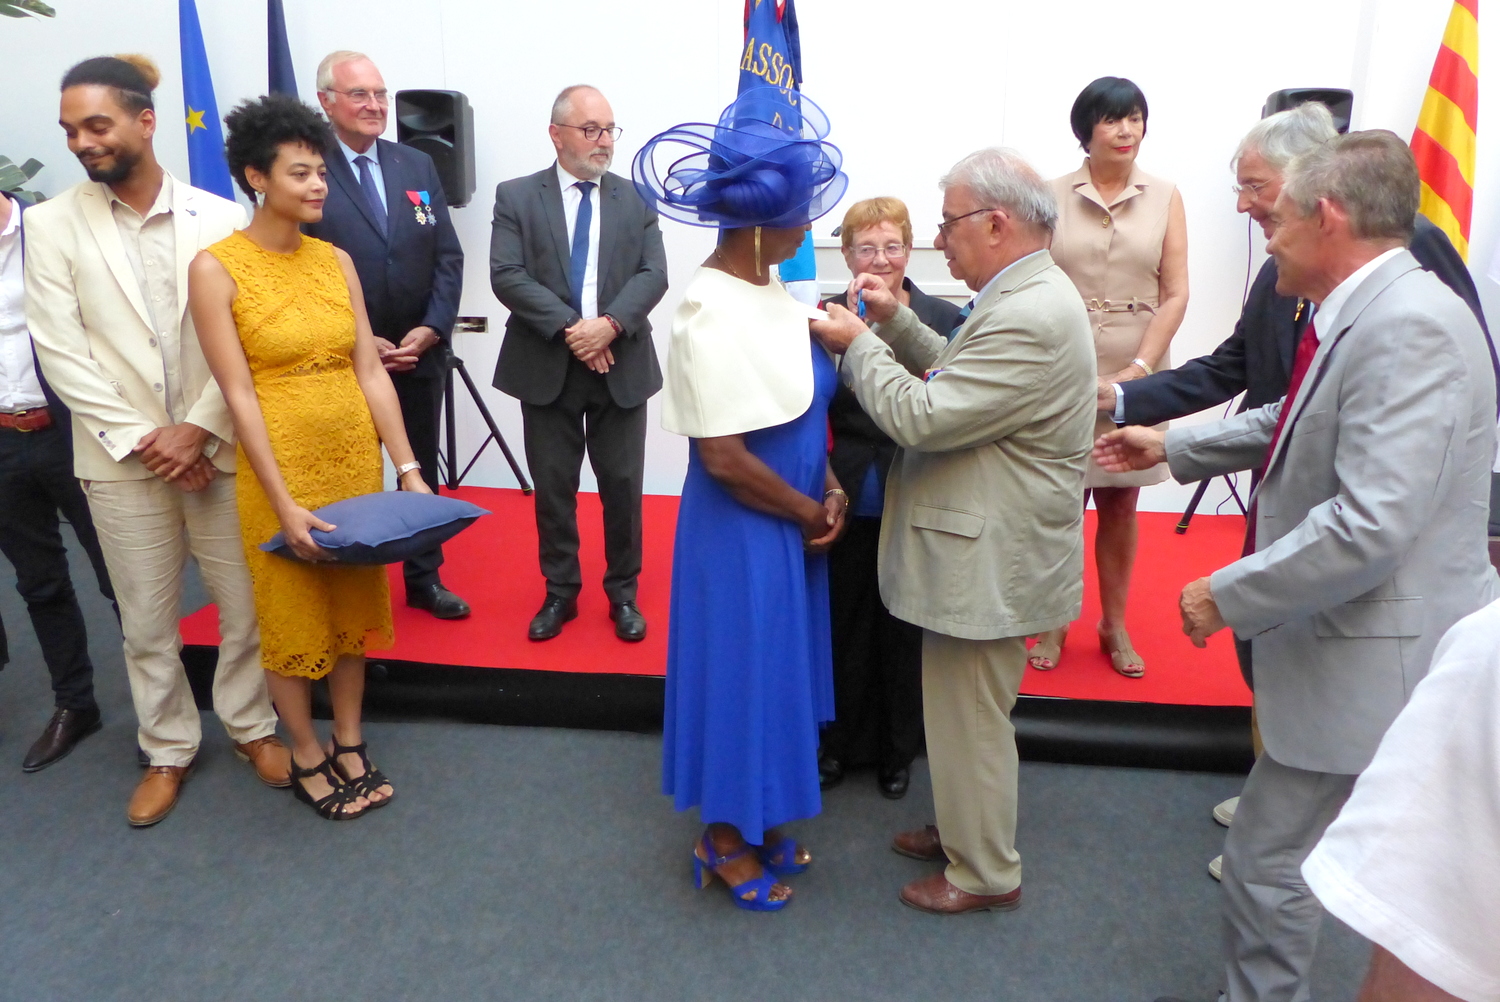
{"x":739,"y":359}
{"x":20,"y":389}
{"x":1328,"y":310}
{"x":1413,"y":861}
{"x":572,"y":198}
{"x":373,"y":153}
{"x":150,"y":243}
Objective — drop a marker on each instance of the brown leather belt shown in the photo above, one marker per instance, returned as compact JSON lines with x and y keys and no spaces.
{"x":33,"y":420}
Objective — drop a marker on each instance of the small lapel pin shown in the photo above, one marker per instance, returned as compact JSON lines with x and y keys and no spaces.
{"x":192,"y":212}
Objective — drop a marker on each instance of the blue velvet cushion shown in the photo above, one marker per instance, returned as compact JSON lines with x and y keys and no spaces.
{"x":385,"y":528}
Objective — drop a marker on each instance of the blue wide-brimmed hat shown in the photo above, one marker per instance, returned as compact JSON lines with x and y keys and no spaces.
{"x":764,"y":164}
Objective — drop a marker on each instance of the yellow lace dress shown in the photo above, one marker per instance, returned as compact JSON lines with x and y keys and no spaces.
{"x":297,"y":329}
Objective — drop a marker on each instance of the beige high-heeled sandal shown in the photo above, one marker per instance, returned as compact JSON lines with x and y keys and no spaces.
{"x":1048,"y":649}
{"x":1121,"y":653}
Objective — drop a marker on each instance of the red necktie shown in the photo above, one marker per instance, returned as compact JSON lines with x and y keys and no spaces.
{"x":1306,"y":349}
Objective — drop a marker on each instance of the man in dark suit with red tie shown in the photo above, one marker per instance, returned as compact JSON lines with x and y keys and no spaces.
{"x":386,"y":210}
{"x":577,"y":258}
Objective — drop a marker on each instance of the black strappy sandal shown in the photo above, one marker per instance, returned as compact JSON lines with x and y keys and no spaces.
{"x":370,"y":782}
{"x":336,"y":805}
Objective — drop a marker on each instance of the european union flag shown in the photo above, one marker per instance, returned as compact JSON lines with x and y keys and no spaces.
{"x":283,"y":78}
{"x":205,"y":136}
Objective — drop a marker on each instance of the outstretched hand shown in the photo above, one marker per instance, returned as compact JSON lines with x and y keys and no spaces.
{"x":1130,"y":448}
{"x":838,"y":332}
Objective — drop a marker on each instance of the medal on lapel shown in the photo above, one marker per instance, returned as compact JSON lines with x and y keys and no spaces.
{"x":425,"y":214}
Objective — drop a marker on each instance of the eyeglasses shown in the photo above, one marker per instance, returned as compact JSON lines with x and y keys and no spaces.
{"x":946,"y":224}
{"x":593,"y":132}
{"x":1250,"y":187}
{"x":892,"y":252}
{"x":361,"y":96}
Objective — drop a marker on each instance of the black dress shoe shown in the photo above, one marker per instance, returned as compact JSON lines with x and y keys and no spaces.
{"x":830,"y":771}
{"x":437,"y":600}
{"x":64,"y":731}
{"x":893,"y":784}
{"x":549,"y":620}
{"x":629,"y":623}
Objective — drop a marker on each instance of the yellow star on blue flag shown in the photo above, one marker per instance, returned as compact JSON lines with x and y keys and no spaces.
{"x":205,"y":138}
{"x":194,"y":121}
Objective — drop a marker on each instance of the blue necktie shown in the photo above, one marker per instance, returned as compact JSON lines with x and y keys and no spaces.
{"x":372,"y":193}
{"x":963,"y":317}
{"x":578,"y":265}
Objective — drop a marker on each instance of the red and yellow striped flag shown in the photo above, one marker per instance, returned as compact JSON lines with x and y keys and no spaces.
{"x":1444,"y":140}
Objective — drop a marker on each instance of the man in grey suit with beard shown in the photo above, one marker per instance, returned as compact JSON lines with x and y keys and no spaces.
{"x":1368,"y":535}
{"x":577,"y":258}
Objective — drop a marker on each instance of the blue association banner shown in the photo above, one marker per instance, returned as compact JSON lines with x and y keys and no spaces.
{"x":283,"y":78}
{"x":205,"y":136}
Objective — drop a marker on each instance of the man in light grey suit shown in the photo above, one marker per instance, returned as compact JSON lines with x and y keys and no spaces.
{"x":982,"y":539}
{"x":1368,"y":531}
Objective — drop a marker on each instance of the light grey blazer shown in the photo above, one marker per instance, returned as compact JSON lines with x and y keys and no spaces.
{"x":982,"y":536}
{"x":1370,"y":530}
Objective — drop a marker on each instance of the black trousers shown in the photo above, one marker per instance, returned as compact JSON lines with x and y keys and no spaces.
{"x":585,"y":416}
{"x":877,"y":661}
{"x":36,"y":483}
{"x":421,"y":396}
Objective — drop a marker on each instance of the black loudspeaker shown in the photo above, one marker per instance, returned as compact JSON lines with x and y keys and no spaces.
{"x":1339,"y":101}
{"x":440,"y":123}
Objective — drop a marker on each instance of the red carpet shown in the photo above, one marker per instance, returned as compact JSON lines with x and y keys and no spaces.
{"x":493,"y":566}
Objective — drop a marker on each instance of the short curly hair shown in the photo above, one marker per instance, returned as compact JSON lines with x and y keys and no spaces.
{"x":259,"y":128}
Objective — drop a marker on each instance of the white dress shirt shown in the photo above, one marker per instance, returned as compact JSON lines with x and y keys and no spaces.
{"x":20,"y":389}
{"x":374,"y":154}
{"x":572,"y":198}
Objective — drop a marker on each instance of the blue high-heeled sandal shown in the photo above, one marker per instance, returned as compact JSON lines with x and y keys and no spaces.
{"x":786,"y":849}
{"x":760,"y":899}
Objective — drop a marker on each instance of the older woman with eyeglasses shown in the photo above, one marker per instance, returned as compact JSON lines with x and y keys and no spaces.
{"x":877,"y":659}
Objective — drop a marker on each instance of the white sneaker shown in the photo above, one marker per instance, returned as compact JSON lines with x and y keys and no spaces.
{"x":1224,"y":813}
{"x":1216,"y":868}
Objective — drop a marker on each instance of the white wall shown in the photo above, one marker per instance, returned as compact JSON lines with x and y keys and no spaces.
{"x":909,"y":88}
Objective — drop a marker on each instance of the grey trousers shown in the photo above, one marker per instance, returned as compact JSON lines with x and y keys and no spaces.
{"x":1271,"y":919}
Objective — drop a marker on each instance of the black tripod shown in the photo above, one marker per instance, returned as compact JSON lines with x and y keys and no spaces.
{"x":1192,"y":508}
{"x":453,"y":364}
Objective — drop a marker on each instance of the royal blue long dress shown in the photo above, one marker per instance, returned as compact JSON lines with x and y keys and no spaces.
{"x":749,"y":657}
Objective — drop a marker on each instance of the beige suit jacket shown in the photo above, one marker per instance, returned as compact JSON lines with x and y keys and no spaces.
{"x":982,"y":536}
{"x":93,"y":334}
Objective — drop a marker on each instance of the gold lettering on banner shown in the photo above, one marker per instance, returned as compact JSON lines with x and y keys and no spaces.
{"x":747,"y":65}
{"x":761,"y":59}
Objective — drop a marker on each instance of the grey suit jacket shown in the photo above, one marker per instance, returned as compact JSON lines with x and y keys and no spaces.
{"x":1370,"y":530}
{"x":982,"y":535}
{"x":529,"y":255}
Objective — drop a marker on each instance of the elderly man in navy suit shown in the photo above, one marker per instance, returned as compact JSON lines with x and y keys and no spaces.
{"x":386,"y":209}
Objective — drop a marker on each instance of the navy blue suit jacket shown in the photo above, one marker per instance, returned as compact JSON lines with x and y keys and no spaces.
{"x":1257,"y":358}
{"x":412,"y":273}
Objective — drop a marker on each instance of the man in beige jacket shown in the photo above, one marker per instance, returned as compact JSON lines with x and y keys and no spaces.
{"x":106,"y":300}
{"x":982,"y":539}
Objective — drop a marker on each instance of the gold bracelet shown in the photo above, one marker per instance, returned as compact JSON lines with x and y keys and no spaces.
{"x":1144,"y":367}
{"x":837,"y":490}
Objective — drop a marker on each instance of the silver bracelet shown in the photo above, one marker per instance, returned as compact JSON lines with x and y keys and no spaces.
{"x":406,"y":468}
{"x":1144,"y":367}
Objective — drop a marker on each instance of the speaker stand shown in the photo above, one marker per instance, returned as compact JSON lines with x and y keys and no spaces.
{"x":451,"y":480}
{"x":1192,"y":508}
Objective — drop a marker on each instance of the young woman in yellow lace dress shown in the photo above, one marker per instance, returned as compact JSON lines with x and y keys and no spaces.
{"x":282,"y":323}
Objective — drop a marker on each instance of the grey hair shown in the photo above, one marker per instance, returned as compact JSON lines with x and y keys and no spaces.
{"x":339,"y":58}
{"x":564,"y":102}
{"x":1003,"y":179}
{"x":1372,"y":175}
{"x":1282,"y":137}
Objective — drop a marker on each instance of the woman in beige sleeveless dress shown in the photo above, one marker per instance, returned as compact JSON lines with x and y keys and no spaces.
{"x":1122,"y":238}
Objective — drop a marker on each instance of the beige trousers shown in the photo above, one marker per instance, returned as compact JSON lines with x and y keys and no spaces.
{"x":146,"y":529}
{"x":968,"y":690}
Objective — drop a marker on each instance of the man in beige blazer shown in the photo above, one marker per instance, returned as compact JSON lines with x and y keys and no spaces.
{"x":982,"y":539}
{"x":106,"y":300}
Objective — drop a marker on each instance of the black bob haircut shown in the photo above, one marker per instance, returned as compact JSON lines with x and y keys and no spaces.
{"x":132,"y":84}
{"x":1106,"y":99}
{"x":259,"y":128}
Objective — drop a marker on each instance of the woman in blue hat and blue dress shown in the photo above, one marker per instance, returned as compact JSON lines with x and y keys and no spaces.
{"x":749,"y":662}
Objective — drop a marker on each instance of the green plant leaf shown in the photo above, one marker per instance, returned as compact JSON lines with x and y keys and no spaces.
{"x":25,"y":8}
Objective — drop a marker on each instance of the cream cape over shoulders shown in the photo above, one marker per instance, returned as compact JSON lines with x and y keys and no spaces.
{"x":739,"y":358}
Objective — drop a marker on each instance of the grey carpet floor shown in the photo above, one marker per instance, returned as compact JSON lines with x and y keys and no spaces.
{"x":532,"y":864}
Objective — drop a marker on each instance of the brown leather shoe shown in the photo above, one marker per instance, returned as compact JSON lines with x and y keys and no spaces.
{"x":934,"y":894}
{"x":920,"y":843}
{"x":156,"y":795}
{"x":271,"y":758}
